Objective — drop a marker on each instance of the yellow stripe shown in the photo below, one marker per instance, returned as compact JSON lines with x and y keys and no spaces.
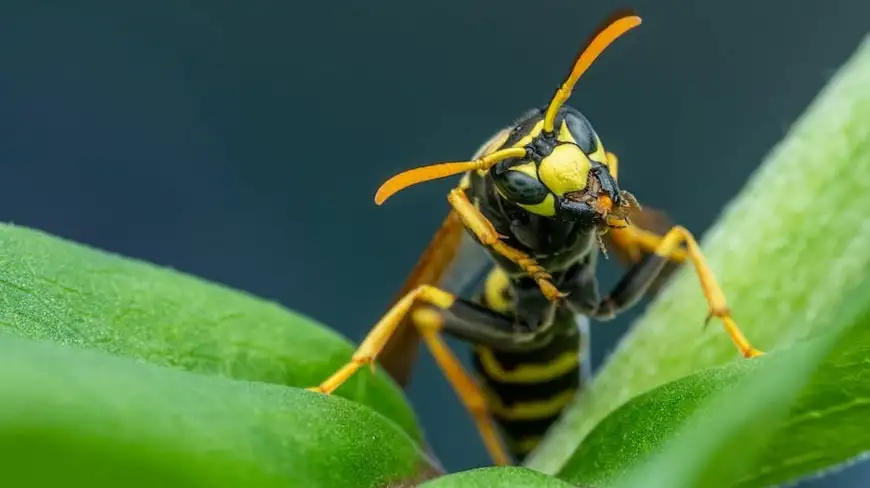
{"x":528,"y":373}
{"x":494,"y":288}
{"x":530,"y":410}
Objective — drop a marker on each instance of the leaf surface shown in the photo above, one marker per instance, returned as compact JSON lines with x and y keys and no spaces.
{"x":56,"y":290}
{"x":786,"y":251}
{"x":73,"y":417}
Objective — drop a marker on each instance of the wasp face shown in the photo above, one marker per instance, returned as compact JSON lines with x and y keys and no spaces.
{"x":558,"y":179}
{"x":565,"y":169}
{"x":559,"y":168}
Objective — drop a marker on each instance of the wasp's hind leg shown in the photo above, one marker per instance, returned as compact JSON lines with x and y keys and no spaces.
{"x":433,"y":311}
{"x":638,"y":278}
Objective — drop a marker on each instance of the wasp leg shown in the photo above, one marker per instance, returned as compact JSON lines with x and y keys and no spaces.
{"x":430,"y":322}
{"x":454,"y":316}
{"x":488,"y":236}
{"x":634,"y":241}
{"x":638,"y":278}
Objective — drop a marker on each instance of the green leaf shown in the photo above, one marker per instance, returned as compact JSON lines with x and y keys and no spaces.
{"x":749,"y":424}
{"x":786,"y":250}
{"x":498,"y":477}
{"x":53,"y":289}
{"x":72,"y":417}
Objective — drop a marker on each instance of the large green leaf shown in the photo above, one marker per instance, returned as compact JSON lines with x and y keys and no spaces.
{"x":750,"y":424}
{"x":500,"y":477}
{"x":53,"y":289}
{"x":73,"y":417}
{"x":786,"y":250}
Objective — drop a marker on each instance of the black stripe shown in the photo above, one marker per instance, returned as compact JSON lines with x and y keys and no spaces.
{"x":519,"y":429}
{"x":556,"y":348}
{"x":513,"y":393}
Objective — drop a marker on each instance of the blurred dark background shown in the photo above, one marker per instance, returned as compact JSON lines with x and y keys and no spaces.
{"x":242,"y":142}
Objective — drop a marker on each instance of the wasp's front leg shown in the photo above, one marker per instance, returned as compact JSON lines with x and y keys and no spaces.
{"x":486,"y":233}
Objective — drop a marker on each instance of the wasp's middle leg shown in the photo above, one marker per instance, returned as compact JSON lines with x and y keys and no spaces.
{"x":636,"y":241}
{"x":639,"y":277}
{"x":434,"y":311}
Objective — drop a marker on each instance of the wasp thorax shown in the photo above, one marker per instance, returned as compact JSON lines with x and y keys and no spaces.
{"x":565,"y":169}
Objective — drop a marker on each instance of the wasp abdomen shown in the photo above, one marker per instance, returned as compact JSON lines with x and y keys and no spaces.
{"x":526,"y":393}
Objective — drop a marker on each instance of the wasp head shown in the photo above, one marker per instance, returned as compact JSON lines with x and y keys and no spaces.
{"x":553,"y":177}
{"x":558,"y":179}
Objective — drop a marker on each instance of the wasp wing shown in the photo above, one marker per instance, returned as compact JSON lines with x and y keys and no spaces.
{"x":582,"y":322}
{"x":454,"y":262}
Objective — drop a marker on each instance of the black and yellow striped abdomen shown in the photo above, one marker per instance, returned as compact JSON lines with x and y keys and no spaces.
{"x":527,"y":391}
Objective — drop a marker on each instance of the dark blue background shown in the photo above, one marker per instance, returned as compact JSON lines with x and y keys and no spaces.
{"x":242,"y":142}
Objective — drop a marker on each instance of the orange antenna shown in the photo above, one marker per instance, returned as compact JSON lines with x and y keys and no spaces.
{"x":442,"y":170}
{"x":596,"y":46}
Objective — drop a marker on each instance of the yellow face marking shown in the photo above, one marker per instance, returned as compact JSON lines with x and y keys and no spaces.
{"x":565,"y":134}
{"x":565,"y":169}
{"x":600,"y":154}
{"x":613,"y":165}
{"x":527,"y":373}
{"x":494,"y":290}
{"x":546,"y":208}
{"x":531,"y":135}
{"x":526,"y":168}
{"x":531,"y":410}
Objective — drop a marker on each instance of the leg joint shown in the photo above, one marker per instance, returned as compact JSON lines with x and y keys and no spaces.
{"x":433,"y":296}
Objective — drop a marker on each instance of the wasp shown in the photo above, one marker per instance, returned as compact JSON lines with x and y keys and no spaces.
{"x":541,"y":199}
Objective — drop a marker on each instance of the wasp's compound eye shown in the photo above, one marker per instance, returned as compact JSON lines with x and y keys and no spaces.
{"x":582,"y":132}
{"x":521,"y":188}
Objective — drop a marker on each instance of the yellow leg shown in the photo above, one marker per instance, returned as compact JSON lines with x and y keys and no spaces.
{"x":635,"y":240}
{"x":428,"y":322}
{"x":712,"y":292}
{"x":487,"y":234}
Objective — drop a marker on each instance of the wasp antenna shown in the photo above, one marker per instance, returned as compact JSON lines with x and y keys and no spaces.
{"x":604,"y":38}
{"x":442,"y":170}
